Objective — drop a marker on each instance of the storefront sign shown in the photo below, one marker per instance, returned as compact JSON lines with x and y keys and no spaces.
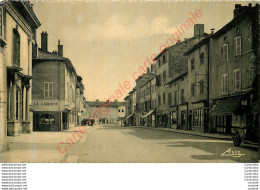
{"x":46,"y":105}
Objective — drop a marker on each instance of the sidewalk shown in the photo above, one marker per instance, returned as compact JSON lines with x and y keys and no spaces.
{"x":40,"y":147}
{"x":209,"y":135}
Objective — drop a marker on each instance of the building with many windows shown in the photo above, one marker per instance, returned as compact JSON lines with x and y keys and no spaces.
{"x":233,"y":74}
{"x":54,"y":89}
{"x":18,"y":24}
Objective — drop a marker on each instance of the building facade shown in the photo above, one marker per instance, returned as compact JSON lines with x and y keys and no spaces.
{"x":106,"y":112}
{"x":54,"y":89}
{"x":233,"y":74}
{"x":18,"y":24}
{"x":198,"y":81}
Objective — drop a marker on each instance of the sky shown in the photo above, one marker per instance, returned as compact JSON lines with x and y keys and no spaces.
{"x":108,"y":41}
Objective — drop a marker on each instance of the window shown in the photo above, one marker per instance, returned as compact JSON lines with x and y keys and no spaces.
{"x":16,"y":48}
{"x":159,"y":100}
{"x":169,"y":99}
{"x":164,"y":58}
{"x":192,"y":89}
{"x":164,"y":76}
{"x":238,"y":45}
{"x":122,"y":110}
{"x":236,"y":80}
{"x":182,"y":96}
{"x":201,"y":87}
{"x":202,"y":58}
{"x":164,"y":101}
{"x":47,"y":119}
{"x":192,"y":64}
{"x":224,"y":83}
{"x":119,"y":110}
{"x":225,"y":52}
{"x":48,"y":89}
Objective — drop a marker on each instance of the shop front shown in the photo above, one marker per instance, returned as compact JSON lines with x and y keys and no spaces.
{"x":173,"y":117}
{"x":231,"y":113}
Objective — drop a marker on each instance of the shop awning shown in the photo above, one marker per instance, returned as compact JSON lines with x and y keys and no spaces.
{"x":226,"y":106}
{"x":148,"y":113}
{"x":130,"y":115}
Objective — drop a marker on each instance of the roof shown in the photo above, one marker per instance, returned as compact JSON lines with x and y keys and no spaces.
{"x":248,"y":11}
{"x":176,"y":78}
{"x":197,"y":45}
{"x":190,"y":40}
{"x":44,"y":56}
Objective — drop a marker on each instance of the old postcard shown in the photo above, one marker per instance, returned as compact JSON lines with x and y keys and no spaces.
{"x":129,"y":81}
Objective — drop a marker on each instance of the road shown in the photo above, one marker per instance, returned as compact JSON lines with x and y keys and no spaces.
{"x":118,"y":144}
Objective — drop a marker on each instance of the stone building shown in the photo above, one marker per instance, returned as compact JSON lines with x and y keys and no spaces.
{"x":18,"y":24}
{"x":105,"y":112}
{"x":198,"y":81}
{"x":147,"y":101}
{"x":81,"y":107}
{"x":233,"y":71}
{"x":54,"y":89}
{"x":171,"y":65}
{"x":130,"y":107}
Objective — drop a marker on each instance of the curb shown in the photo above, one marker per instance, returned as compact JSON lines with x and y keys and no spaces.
{"x":182,"y":132}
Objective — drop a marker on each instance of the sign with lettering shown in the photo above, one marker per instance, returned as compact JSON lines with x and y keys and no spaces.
{"x":46,"y":105}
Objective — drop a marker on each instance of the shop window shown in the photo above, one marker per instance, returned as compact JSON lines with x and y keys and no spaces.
{"x":47,"y":119}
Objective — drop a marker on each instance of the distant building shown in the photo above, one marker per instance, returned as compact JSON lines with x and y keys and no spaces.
{"x":18,"y":24}
{"x":54,"y":89}
{"x":81,"y":107}
{"x":106,"y":112}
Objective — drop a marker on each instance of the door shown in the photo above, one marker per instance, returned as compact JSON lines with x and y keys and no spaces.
{"x":65,"y":120}
{"x":228,"y":123}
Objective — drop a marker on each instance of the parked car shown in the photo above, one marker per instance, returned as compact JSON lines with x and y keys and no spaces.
{"x":247,"y":135}
{"x":89,"y":122}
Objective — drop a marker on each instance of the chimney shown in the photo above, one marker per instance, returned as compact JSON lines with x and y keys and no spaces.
{"x":54,"y":52}
{"x":198,"y":30}
{"x":44,"y":41}
{"x":212,"y":30}
{"x":60,"y":49}
{"x":178,"y":42}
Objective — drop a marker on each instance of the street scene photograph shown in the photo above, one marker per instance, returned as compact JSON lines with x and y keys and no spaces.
{"x":129,"y":81}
